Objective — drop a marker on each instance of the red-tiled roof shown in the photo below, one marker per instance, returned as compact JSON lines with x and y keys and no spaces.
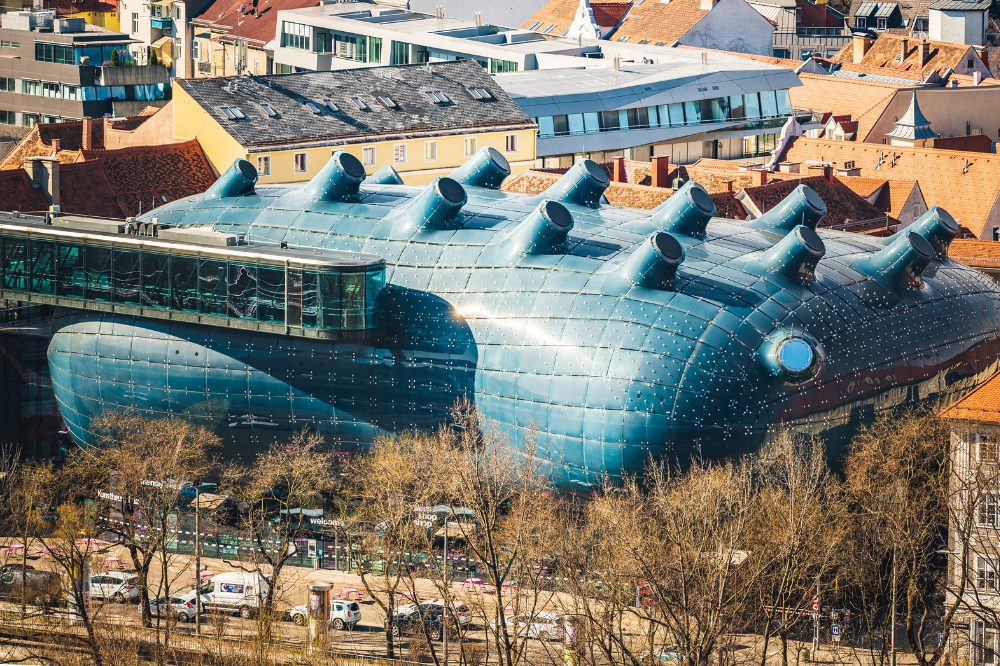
{"x":252,"y":20}
{"x":658,"y":22}
{"x":726,"y":205}
{"x":976,"y":143}
{"x":983,"y":404}
{"x":843,"y":204}
{"x":17,"y":192}
{"x":560,"y":14}
{"x":116,"y":183}
{"x":64,"y":7}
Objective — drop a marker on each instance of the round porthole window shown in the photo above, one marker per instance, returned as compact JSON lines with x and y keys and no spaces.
{"x":795,"y":356}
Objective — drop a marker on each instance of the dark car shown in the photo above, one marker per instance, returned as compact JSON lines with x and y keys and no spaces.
{"x":405,"y":621}
{"x":41,"y":588}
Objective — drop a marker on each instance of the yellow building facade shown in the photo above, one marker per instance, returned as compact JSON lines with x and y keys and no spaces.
{"x":418,"y":159}
{"x":108,"y":20}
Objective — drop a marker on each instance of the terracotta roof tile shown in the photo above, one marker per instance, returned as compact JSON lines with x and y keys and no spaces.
{"x":560,"y":15}
{"x":38,"y":142}
{"x":657,"y":22}
{"x":886,"y":49}
{"x":843,"y":204}
{"x":976,"y":143}
{"x":618,"y":194}
{"x":963,"y":183}
{"x":256,"y":20}
{"x":978,"y":253}
{"x":726,"y":205}
{"x":17,"y":192}
{"x":864,"y":101}
{"x":982,"y":404}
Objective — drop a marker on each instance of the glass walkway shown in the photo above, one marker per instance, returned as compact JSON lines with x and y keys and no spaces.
{"x":189,"y":275}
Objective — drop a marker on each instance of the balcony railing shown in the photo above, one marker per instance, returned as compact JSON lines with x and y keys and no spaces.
{"x":162,"y":22}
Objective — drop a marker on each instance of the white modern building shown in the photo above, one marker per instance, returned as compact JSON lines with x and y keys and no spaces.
{"x":164,"y":26}
{"x":591,"y":98}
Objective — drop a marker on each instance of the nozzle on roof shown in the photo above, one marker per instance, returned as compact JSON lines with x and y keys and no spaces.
{"x":487,"y":168}
{"x":438,"y":205}
{"x":937,"y":227}
{"x":544,"y":231}
{"x":686,"y":212}
{"x":339,"y":180}
{"x":654,"y":263}
{"x":237,"y":181}
{"x":901,"y":262}
{"x":795,"y":256}
{"x":387,"y":175}
{"x":583,"y":185}
{"x":803,"y":206}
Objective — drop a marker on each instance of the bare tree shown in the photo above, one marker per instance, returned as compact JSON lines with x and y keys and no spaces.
{"x":897,"y":479}
{"x":797,"y":534}
{"x":271,"y":493}
{"x":145,"y":462}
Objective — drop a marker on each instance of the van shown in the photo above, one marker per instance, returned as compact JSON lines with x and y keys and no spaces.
{"x":234,"y":592}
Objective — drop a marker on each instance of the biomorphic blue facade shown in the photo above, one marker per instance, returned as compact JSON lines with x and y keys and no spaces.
{"x":612,"y":335}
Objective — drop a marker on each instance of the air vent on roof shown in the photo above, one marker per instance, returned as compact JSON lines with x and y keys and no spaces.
{"x":480,"y":93}
{"x":269,"y":110}
{"x":314,"y":107}
{"x":360,"y":103}
{"x":388,"y":102}
{"x":330,"y":104}
{"x":437,"y":97}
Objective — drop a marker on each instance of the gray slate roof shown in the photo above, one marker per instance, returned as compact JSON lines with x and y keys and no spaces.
{"x":406,"y":85}
{"x":961,"y":5}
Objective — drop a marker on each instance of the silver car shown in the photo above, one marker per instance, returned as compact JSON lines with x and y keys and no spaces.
{"x":178,"y":608}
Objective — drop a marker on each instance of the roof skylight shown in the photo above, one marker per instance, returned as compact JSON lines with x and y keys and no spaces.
{"x":388,"y":102}
{"x":480,"y":93}
{"x":330,"y":104}
{"x":437,"y":97}
{"x":269,"y":110}
{"x":314,"y":107}
{"x":361,"y":104}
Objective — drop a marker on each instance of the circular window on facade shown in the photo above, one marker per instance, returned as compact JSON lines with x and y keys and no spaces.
{"x":796,"y":356}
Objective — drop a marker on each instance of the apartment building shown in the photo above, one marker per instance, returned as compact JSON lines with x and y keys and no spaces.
{"x":55,"y":69}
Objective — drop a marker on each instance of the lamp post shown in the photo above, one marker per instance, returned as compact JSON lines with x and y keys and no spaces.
{"x":197,"y":559}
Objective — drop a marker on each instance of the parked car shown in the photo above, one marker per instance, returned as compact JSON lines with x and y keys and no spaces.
{"x":179,"y":608}
{"x":662,"y":655}
{"x":233,"y":592}
{"x":343,"y":614}
{"x":41,"y":588}
{"x":543,"y":625}
{"x":117,"y":586}
{"x":459,"y":611}
{"x":406,"y":621}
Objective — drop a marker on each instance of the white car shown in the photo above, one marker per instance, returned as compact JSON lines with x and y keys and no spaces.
{"x":543,"y":625}
{"x":117,"y":586}
{"x":180,"y":609}
{"x":343,"y":614}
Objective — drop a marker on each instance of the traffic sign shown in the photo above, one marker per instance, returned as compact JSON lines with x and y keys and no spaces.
{"x":835,"y":632}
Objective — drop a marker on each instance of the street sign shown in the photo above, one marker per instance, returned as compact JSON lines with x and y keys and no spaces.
{"x":835,"y":632}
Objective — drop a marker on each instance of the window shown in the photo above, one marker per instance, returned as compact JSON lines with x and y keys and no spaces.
{"x":996,"y":233}
{"x":196,"y":50}
{"x":295,"y":35}
{"x":481,"y":94}
{"x":361,"y":104}
{"x":300,"y":163}
{"x":5,"y":43}
{"x":135,"y":22}
{"x":549,"y":28}
{"x":437,"y":97}
{"x":470,"y":146}
{"x":430,"y":151}
{"x":330,"y":104}
{"x":7,"y":117}
{"x":6,"y":84}
{"x":314,"y":107}
{"x":510,"y":143}
{"x":986,"y":448}
{"x":989,"y":510}
{"x":534,"y":26}
{"x":388,"y":102}
{"x":986,"y":574}
{"x":269,"y":110}
{"x":399,"y":153}
{"x":860,"y":21}
{"x":881,"y":23}
{"x":399,"y":53}
{"x":368,"y":155}
{"x":58,"y":53}
{"x":264,"y":165}
{"x":985,"y":644}
{"x":51,"y":90}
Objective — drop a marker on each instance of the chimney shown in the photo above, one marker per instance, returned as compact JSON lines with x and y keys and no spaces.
{"x":904,"y":49}
{"x":925,"y":51}
{"x":56,"y":146}
{"x":87,"y":138}
{"x":861,"y":45}
{"x":761,"y":177}
{"x":706,"y":5}
{"x":729,"y":185}
{"x":44,"y":174}
{"x":660,"y":171}
{"x":618,"y":171}
{"x":977,"y":77}
{"x":828,"y":173}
